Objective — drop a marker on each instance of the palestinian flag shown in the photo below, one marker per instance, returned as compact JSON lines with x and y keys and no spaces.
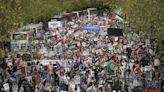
{"x":62,"y":41}
{"x":106,"y":49}
{"x":74,"y":47}
{"x":111,"y":65}
{"x":116,"y":46}
{"x":137,"y":70}
{"x":18,"y":62}
{"x":117,"y":11}
{"x":119,"y":41}
{"x":20,"y":73}
{"x":78,"y":52}
{"x":112,"y":41}
{"x":118,"y":18}
{"x":102,"y":73}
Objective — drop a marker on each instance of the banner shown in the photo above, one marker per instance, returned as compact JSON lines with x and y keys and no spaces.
{"x":92,"y":28}
{"x":114,"y":32}
{"x":55,"y":24}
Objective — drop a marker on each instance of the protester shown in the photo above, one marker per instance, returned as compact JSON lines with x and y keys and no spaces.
{"x":78,"y":60}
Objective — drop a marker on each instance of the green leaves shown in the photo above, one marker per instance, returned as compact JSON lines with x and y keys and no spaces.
{"x":145,"y":15}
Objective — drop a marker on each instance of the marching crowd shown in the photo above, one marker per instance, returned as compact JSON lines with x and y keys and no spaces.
{"x":88,"y":61}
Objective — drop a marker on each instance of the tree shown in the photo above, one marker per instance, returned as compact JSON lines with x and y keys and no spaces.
{"x":145,"y":15}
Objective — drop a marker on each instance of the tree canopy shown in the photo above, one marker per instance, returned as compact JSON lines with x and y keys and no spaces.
{"x":146,"y":15}
{"x":14,"y":13}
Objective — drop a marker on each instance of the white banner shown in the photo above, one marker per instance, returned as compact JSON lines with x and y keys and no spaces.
{"x":55,"y":24}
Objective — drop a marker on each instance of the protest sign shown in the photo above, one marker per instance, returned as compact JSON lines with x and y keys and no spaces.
{"x":58,"y":50}
{"x":77,"y":79}
{"x":6,"y":86}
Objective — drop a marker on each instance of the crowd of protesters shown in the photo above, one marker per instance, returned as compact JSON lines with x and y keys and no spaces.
{"x":88,"y":61}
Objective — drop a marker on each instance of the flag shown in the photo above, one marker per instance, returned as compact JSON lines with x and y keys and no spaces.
{"x":118,"y":18}
{"x":18,"y":62}
{"x":78,"y":52}
{"x":117,"y":11}
{"x":74,"y":47}
{"x":102,"y":73}
{"x":119,"y":41}
{"x":20,"y":73}
{"x":111,"y":65}
{"x":23,"y":71}
{"x":137,"y":69}
{"x":112,"y":41}
{"x":112,"y":16}
{"x":62,"y":41}
{"x":116,"y":46}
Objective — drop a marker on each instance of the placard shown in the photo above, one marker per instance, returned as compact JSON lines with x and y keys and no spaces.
{"x":55,"y":24}
{"x":58,"y":50}
{"x":6,"y":86}
{"x":77,"y":79}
